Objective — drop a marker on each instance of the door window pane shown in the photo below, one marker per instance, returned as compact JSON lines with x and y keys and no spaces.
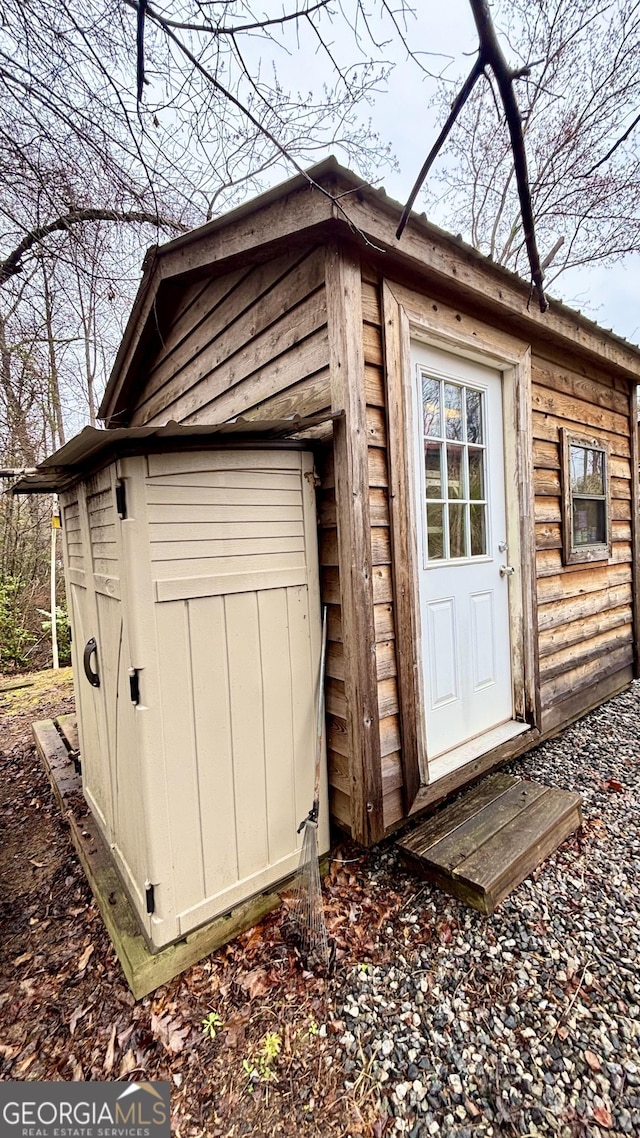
{"x":476,"y":474}
{"x":433,"y":473}
{"x":431,"y":408}
{"x":589,"y":521}
{"x":587,"y":470}
{"x":453,"y":411}
{"x":435,"y":531}
{"x":455,"y":471}
{"x":457,"y":535}
{"x":474,"y":416}
{"x":478,"y":526}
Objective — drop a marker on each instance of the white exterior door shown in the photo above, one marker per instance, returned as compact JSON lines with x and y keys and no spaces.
{"x":464,"y":598}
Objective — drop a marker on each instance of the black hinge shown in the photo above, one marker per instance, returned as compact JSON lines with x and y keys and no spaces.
{"x":151,"y":900}
{"x":134,"y":684}
{"x":121,"y":499}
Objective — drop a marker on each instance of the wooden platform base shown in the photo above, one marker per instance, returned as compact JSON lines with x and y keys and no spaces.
{"x":145,"y":970}
{"x":482,"y":846}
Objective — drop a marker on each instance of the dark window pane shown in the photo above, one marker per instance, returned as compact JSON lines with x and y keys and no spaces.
{"x":476,"y":474}
{"x":455,"y":481}
{"x":457,"y":542}
{"x":435,"y":531}
{"x":453,"y":411}
{"x":589,"y":522}
{"x":433,"y":474}
{"x":587,"y":470}
{"x":478,"y":530}
{"x":474,"y":417}
{"x":431,"y":407}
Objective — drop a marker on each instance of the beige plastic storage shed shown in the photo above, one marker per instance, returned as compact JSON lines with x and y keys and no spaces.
{"x":192,"y":579}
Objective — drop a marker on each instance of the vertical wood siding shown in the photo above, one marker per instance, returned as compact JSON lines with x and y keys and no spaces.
{"x":584,"y":611}
{"x":252,"y":342}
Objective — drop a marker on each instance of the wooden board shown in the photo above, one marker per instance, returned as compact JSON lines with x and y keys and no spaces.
{"x":482,"y":846}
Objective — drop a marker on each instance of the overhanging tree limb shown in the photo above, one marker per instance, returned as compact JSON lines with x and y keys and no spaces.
{"x":13,"y":263}
{"x":458,"y":104}
{"x":490,"y":54}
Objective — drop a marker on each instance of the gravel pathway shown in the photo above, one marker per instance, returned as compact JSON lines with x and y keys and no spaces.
{"x":526,"y":1022}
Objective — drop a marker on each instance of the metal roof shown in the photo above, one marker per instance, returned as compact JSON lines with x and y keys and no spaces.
{"x":158,"y":255}
{"x":93,"y":448}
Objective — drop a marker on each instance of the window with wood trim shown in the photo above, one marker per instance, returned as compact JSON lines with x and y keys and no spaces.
{"x":586,"y":499}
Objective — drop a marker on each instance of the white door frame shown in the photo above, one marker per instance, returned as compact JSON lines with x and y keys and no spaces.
{"x":407,"y":316}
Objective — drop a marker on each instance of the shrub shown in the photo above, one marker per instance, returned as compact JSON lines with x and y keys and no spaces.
{"x":62,"y":626}
{"x":14,"y":637}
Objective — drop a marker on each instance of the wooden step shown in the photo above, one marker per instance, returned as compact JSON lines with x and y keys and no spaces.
{"x":483,"y":845}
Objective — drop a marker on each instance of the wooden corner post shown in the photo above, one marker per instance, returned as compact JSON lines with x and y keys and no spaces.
{"x":635,"y":525}
{"x":346,"y":361}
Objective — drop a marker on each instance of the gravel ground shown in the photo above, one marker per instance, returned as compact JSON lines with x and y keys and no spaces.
{"x":437,"y":1021}
{"x":526,"y":1022}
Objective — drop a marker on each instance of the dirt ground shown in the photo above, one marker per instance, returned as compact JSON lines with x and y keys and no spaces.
{"x":263,"y":1066}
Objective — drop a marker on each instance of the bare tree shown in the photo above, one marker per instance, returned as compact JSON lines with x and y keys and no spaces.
{"x":578,"y":91}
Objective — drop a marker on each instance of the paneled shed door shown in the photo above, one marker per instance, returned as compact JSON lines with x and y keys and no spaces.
{"x":234,"y":563}
{"x":462,"y":553}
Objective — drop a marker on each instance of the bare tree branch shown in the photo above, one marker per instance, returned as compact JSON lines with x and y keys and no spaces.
{"x":14,"y":262}
{"x":623,"y":138}
{"x":490,"y":54}
{"x":458,"y":104}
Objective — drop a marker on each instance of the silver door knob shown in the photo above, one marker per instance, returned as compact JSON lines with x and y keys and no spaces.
{"x":507,"y":570}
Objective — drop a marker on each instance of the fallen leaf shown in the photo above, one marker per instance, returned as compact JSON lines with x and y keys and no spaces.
{"x":110,"y":1056}
{"x":169,"y":1033}
{"x":86,"y":956}
{"x":256,"y":983}
{"x":76,"y":1017}
{"x":471,"y":1108}
{"x":24,"y":1064}
{"x":7,"y":1051}
{"x":593,"y":1061}
{"x":234,"y":1036}
{"x":613,"y":784}
{"x":602,"y":1117}
{"x":562,"y":1032}
{"x":127,"y":1065}
{"x":22,"y":959}
{"x":445,"y":932}
{"x":38,"y":864}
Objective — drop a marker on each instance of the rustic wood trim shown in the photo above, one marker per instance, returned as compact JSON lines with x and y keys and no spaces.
{"x":443,"y":326}
{"x":346,"y":362}
{"x":430,"y":252}
{"x":600,"y":552}
{"x":403,"y":528}
{"x":635,"y":524}
{"x":521,"y":519}
{"x":443,"y":787}
{"x":423,"y":319}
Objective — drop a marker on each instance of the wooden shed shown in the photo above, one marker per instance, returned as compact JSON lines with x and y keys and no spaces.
{"x":477,"y":486}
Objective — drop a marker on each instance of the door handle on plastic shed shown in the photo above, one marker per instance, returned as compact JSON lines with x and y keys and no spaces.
{"x":507,"y":570}
{"x":89,"y":649}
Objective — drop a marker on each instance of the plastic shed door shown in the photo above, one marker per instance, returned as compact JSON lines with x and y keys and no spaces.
{"x":220,"y":619}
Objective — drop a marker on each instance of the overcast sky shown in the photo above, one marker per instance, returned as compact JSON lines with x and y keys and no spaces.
{"x":609,"y":295}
